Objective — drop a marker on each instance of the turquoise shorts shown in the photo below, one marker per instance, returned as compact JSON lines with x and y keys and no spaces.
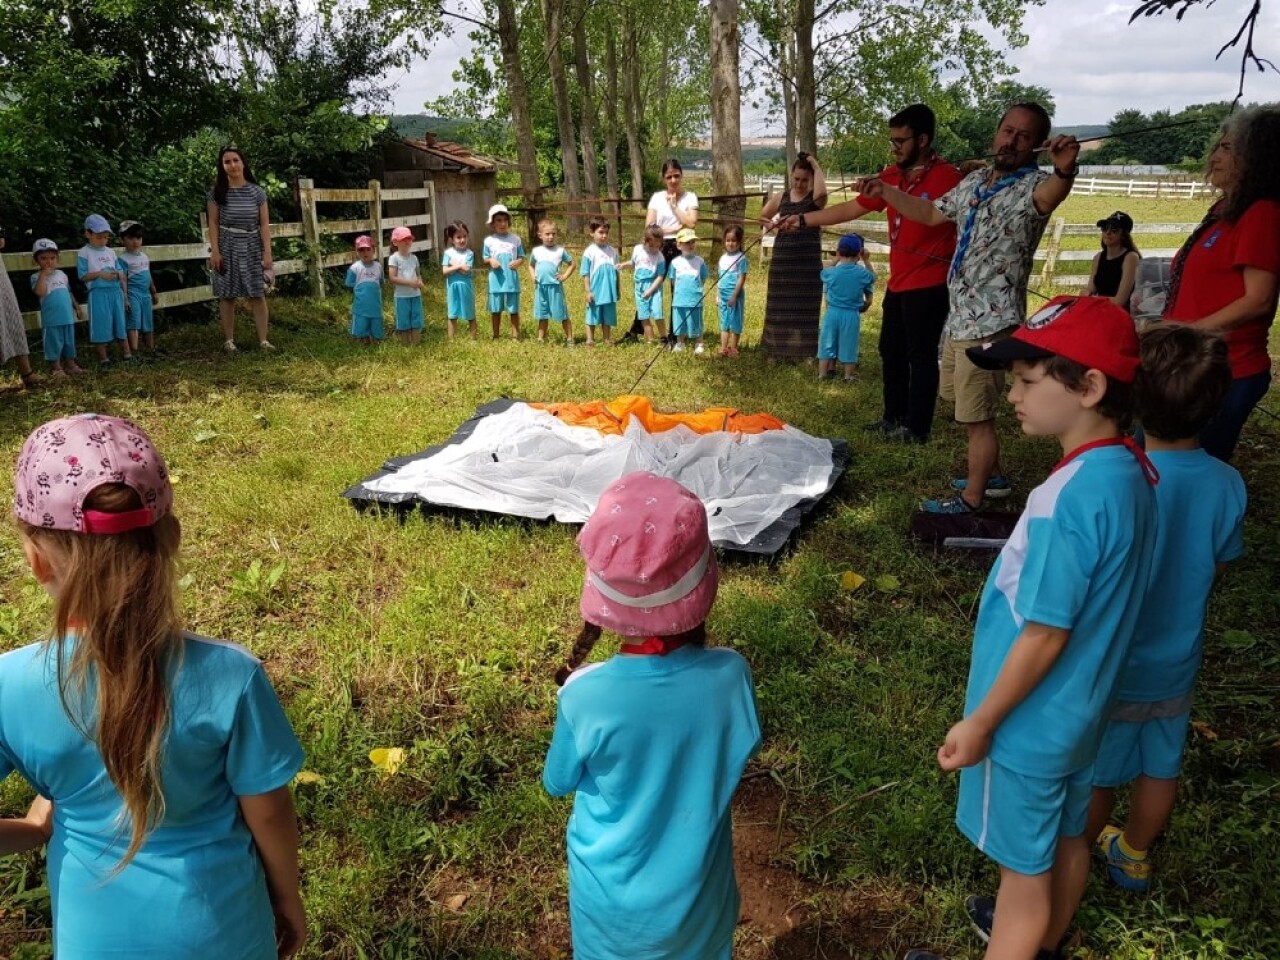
{"x":1151,"y":748}
{"x":366,"y":326}
{"x":60,"y":342}
{"x":505,"y":302}
{"x":106,"y":315}
{"x":602,"y":314}
{"x":731,"y":317}
{"x":461,"y":299}
{"x":140,"y":315}
{"x":650,"y":309}
{"x":549,"y":302}
{"x":1018,"y":820}
{"x":686,"y":321}
{"x":838,"y":339}
{"x":408,"y":313}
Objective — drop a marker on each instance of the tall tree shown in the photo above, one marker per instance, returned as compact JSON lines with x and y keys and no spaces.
{"x":611,"y":109}
{"x":726,"y":111}
{"x":553,"y":17}
{"x":632,"y":104}
{"x":586,"y":93}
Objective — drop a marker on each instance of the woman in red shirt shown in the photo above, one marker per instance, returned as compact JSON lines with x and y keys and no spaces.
{"x":1226,"y":277}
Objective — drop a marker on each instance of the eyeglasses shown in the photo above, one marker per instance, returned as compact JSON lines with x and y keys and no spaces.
{"x":897,"y":142}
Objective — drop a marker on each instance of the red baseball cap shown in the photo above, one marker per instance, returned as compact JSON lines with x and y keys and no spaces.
{"x":1092,"y":331}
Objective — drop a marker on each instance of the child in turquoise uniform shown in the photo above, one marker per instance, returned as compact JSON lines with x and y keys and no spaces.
{"x":847,"y":284}
{"x":457,"y":263}
{"x":730,"y":298}
{"x":650,"y":268}
{"x":549,"y":266}
{"x":103,"y":274}
{"x":402,"y":270}
{"x":503,"y":253}
{"x":600,"y":278}
{"x":1185,"y":376}
{"x":58,"y":309}
{"x":166,"y":755}
{"x":364,"y":280}
{"x":688,"y":273}
{"x":1057,"y":615}
{"x":140,"y":288}
{"x":653,"y":741}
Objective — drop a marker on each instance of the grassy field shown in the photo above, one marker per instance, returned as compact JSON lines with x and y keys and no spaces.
{"x":441,"y":636}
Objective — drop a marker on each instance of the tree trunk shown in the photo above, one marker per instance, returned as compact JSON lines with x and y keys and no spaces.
{"x":726,"y":117}
{"x":610,"y":111}
{"x":509,"y":45}
{"x":664,"y":134}
{"x":805,"y":88}
{"x":631,"y":101}
{"x":553,"y":17}
{"x":587,"y":121}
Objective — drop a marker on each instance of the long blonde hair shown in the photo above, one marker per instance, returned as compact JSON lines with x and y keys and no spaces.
{"x":118,"y":596}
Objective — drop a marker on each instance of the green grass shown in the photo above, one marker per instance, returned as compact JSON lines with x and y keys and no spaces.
{"x":441,"y":636}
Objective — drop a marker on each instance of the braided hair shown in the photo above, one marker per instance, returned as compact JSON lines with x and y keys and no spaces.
{"x":591,"y":633}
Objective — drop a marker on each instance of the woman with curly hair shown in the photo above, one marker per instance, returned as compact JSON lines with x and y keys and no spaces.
{"x":239,"y":245}
{"x":1226,"y":277}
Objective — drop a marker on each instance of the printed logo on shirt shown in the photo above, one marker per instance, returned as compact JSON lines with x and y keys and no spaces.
{"x":1213,"y":238}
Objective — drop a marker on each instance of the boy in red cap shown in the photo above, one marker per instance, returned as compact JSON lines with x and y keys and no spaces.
{"x":1057,"y":615}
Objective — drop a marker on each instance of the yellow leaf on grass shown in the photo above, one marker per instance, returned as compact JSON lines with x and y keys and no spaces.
{"x":851,"y":581}
{"x":387,"y":759}
{"x":308,"y":776}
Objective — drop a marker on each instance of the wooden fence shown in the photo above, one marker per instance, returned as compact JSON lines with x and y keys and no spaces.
{"x":313,"y":230}
{"x":1181,"y":188}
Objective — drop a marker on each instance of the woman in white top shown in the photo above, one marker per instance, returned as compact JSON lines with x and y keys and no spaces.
{"x":671,"y":209}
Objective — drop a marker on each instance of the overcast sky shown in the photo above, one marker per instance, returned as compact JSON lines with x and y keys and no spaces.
{"x":1085,"y":51}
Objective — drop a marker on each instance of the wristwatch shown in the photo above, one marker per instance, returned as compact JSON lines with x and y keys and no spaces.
{"x":1071,"y":175}
{"x":801,"y":221}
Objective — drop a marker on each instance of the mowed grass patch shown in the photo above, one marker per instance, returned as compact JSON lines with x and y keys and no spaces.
{"x":439,"y":635}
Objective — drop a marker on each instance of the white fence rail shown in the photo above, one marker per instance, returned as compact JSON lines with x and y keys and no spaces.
{"x":1168,"y":188}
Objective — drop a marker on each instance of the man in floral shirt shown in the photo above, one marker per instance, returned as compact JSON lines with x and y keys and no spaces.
{"x":1000,"y":213}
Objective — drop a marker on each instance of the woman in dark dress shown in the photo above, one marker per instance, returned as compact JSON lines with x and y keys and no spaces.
{"x":239,"y":245}
{"x":793,"y":305}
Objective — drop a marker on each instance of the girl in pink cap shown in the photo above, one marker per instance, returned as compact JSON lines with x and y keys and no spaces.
{"x":402,"y":271}
{"x":166,"y":755}
{"x":652,"y":741}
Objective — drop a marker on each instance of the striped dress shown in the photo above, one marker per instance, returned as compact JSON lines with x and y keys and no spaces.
{"x":13,"y":336}
{"x":793,"y":304}
{"x":240,"y":243}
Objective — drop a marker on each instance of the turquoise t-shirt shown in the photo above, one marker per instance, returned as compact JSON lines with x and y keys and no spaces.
{"x":365,"y":282}
{"x":547,"y":262}
{"x":505,"y":247}
{"x":91,"y":259}
{"x":846,"y":285}
{"x":648,"y":266}
{"x":652,"y":748}
{"x":1201,"y":502}
{"x":688,"y":274}
{"x":196,"y":889}
{"x":731,"y":266}
{"x":137,"y":267}
{"x":1078,"y":559}
{"x":600,"y":266}
{"x":57,"y":309}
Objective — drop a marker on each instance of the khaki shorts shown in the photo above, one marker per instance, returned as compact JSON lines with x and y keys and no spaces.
{"x":976,"y":393}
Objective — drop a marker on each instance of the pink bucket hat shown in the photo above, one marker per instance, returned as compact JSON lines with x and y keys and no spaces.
{"x":364,"y":241}
{"x":401,"y":233}
{"x":651,"y":570}
{"x":64,"y":460}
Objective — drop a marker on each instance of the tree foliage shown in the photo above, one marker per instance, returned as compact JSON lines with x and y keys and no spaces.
{"x":1131,"y":140}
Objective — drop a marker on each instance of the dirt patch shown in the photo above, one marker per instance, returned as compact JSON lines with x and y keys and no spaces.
{"x":784,"y":916}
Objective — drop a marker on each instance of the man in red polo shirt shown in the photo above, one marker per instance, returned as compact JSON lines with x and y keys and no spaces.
{"x":915,"y":307}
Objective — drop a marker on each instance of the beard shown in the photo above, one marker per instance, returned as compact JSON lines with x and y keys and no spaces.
{"x":1008,"y":160}
{"x":911,"y":159}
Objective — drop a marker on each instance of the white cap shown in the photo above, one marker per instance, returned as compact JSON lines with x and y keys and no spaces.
{"x":44,"y":245}
{"x":496,"y":209}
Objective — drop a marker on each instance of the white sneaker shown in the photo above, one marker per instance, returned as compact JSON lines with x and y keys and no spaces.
{"x":678,"y":348}
{"x":268,"y":346}
{"x":699,"y":349}
{"x":230,"y":346}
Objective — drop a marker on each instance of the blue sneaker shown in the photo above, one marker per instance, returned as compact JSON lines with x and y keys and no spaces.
{"x":998,"y":486}
{"x":982,"y":912}
{"x":949,"y":505}
{"x":1125,"y":872}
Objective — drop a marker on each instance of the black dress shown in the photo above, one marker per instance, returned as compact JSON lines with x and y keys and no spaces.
{"x":793,"y":304}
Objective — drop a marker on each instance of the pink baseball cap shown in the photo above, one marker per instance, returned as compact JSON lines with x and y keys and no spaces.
{"x":364,"y":241}
{"x":651,"y":569}
{"x":401,"y":233}
{"x":65,"y":460}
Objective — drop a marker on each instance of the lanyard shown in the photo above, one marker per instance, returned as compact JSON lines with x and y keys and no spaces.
{"x":895,"y":218}
{"x":1180,"y":260}
{"x":654,"y":645}
{"x":1148,"y":468}
{"x":980,"y":196}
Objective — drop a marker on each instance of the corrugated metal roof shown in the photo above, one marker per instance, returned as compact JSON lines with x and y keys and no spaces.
{"x":455,"y":153}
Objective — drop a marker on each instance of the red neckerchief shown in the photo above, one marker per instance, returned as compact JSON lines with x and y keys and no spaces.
{"x":654,"y":645}
{"x":1148,"y":468}
{"x":895,"y":218}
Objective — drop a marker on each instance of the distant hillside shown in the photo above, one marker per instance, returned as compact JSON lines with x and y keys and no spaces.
{"x":414,"y":125}
{"x":1084,"y":131}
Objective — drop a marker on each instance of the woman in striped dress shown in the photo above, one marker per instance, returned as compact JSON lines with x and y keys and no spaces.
{"x":13,"y":335}
{"x":793,"y":303}
{"x":239,"y":245}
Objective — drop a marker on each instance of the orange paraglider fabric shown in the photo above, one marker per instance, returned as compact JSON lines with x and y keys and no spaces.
{"x":613,"y":417}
